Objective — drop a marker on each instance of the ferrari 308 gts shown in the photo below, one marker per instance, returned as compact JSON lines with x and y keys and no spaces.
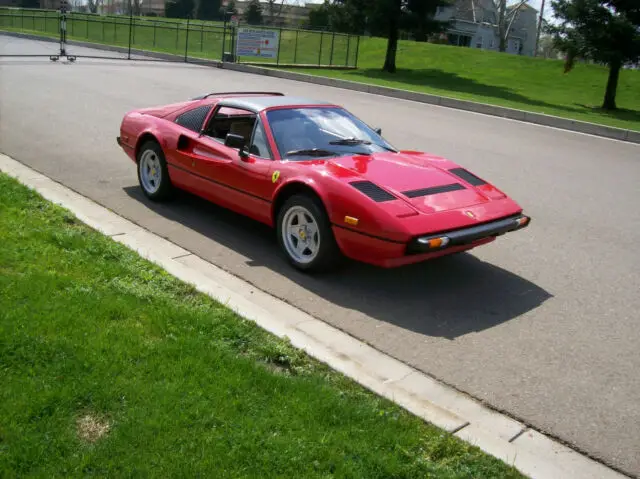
{"x":329,"y":184}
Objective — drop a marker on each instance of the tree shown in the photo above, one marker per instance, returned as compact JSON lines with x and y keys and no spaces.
{"x":320,"y":16}
{"x":630,"y":7}
{"x":344,"y":16}
{"x":547,"y":48}
{"x":253,"y":13}
{"x":407,"y":13}
{"x":353,"y":16}
{"x":208,"y":10}
{"x":419,"y":18}
{"x":393,"y":19}
{"x":94,"y":5}
{"x":29,"y":3}
{"x":274,"y":9}
{"x":231,"y":8}
{"x":381,"y":18}
{"x":507,"y":14}
{"x":133,"y":7}
{"x":179,"y":8}
{"x":606,"y":31}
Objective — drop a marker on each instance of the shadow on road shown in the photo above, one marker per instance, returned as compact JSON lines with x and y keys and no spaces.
{"x":446,"y":297}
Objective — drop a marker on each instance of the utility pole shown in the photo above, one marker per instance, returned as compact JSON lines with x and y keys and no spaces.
{"x":535,"y":51}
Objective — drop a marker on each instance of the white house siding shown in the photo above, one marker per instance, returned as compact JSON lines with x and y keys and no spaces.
{"x":473,"y":26}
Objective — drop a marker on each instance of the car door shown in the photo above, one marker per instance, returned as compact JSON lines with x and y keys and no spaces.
{"x":250,"y":175}
{"x":201,"y":161}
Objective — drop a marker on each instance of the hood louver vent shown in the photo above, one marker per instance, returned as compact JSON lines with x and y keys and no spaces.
{"x":373,"y":191}
{"x":468,"y":177}
{"x":433,"y":190}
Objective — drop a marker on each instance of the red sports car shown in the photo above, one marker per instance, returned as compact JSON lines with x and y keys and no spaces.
{"x":329,"y":184}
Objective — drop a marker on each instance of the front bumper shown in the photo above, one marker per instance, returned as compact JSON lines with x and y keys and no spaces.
{"x":466,"y":236}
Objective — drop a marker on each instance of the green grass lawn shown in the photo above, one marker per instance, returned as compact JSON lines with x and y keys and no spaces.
{"x":109,"y":366}
{"x":532,"y":84}
{"x":204,"y":39}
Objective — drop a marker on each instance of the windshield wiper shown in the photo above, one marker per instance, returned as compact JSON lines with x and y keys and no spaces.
{"x":350,"y":141}
{"x":357,"y":141}
{"x":311,"y":152}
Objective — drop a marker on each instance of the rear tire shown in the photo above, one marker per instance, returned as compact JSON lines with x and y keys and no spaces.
{"x":153,"y":175}
{"x":305,"y":235}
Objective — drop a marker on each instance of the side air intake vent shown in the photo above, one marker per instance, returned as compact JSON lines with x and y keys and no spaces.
{"x":433,"y":190}
{"x":468,"y":177}
{"x":374,"y":192}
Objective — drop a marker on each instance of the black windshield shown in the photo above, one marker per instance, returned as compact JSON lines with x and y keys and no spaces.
{"x":320,"y":129}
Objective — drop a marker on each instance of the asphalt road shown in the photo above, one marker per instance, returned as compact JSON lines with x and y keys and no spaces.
{"x":542,"y":324}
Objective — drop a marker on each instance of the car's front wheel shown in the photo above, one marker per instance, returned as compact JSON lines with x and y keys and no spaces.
{"x":305,"y":235}
{"x":153,"y":174}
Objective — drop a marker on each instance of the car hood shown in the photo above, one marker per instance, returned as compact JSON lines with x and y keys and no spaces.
{"x":429,"y":184}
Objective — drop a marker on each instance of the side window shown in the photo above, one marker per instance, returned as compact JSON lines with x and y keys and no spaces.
{"x":259,"y":144}
{"x":193,"y":119}
{"x":230,"y":120}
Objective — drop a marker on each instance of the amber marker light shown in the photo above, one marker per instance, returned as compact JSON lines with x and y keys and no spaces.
{"x":435,"y":242}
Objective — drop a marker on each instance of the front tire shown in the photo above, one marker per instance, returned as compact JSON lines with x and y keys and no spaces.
{"x":153,"y":175}
{"x":305,"y":235}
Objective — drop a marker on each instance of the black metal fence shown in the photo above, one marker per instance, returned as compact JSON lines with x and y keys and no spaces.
{"x":191,"y":38}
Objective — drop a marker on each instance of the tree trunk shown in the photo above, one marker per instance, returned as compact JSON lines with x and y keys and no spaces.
{"x":502,"y":44}
{"x":392,"y":44}
{"x":612,"y":86}
{"x":502,"y":33}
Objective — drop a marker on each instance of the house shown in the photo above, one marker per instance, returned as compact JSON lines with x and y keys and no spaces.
{"x":474,"y":24}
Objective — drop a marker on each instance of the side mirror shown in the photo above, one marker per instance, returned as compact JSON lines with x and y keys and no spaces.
{"x":378,"y":131}
{"x":234,"y":141}
{"x":237,"y":141}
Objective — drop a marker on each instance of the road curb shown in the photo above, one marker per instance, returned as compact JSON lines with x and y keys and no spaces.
{"x":448,"y":102}
{"x":534,"y":454}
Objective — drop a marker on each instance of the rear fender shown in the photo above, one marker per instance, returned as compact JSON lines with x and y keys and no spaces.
{"x":137,"y":129}
{"x":146,"y":135}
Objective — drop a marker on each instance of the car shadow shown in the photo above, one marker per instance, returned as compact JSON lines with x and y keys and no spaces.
{"x":446,"y":297}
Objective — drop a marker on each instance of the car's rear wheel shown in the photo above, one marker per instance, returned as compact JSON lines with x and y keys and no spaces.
{"x":305,"y":235}
{"x":153,"y":174}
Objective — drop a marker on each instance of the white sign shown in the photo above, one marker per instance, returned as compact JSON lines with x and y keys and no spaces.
{"x":252,"y":42}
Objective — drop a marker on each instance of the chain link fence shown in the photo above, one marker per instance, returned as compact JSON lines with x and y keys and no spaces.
{"x":189,"y":38}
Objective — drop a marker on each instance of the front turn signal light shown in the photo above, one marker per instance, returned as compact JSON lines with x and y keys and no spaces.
{"x":435,"y":242}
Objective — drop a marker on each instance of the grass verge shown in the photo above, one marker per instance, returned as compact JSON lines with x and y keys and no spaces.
{"x":110,"y":366}
{"x":525,"y":83}
{"x":197,"y":39}
{"x":531,"y":84}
